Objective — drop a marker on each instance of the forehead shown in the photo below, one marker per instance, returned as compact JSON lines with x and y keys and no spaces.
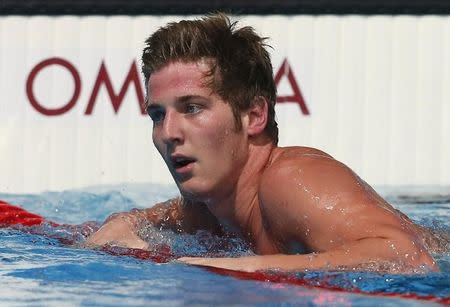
{"x":178,"y":79}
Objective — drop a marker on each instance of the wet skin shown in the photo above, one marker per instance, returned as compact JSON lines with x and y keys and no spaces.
{"x":238,"y":180}
{"x":194,"y":126}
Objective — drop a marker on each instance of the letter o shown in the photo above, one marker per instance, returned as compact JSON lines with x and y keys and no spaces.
{"x":34,"y":72}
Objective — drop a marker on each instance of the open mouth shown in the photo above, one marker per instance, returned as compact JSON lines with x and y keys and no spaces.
{"x":180,"y":162}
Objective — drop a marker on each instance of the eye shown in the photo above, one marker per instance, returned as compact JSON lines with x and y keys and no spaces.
{"x":193,"y":108}
{"x":156,"y":113}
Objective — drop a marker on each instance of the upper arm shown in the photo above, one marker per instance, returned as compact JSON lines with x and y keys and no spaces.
{"x":322,"y":203}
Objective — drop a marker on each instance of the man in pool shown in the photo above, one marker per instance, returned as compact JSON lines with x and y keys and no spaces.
{"x":211,"y":96}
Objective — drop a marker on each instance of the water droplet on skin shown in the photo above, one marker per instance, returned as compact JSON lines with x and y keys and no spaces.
{"x":343,"y":211}
{"x":394,"y":249}
{"x":329,"y":207}
{"x":311,"y":256}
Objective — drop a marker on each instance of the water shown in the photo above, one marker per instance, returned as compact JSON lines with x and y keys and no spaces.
{"x":36,"y":270}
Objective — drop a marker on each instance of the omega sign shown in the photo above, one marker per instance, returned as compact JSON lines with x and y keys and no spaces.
{"x":131,"y":78}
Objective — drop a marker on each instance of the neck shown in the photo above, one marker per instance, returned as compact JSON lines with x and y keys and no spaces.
{"x":239,"y":209}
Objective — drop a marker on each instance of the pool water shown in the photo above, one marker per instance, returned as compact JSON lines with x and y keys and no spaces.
{"x":37,"y":270}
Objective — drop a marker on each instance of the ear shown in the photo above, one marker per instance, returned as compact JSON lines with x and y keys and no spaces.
{"x":257,"y":116}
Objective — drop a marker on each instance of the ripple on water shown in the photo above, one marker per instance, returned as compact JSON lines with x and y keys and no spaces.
{"x":36,"y":270}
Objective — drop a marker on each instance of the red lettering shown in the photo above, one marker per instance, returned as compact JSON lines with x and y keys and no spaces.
{"x":285,"y":70}
{"x":116,"y":100}
{"x":133,"y":78}
{"x":34,"y":73}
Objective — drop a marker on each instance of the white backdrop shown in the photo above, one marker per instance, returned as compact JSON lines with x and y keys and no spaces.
{"x":375,"y":92}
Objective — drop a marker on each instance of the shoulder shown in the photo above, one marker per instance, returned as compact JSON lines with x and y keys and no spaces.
{"x":307,"y":196}
{"x":298,"y":179}
{"x":294,"y":165}
{"x":300,"y":156}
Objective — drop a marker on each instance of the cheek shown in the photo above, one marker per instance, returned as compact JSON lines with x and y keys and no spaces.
{"x":226,"y":145}
{"x":217,"y":136}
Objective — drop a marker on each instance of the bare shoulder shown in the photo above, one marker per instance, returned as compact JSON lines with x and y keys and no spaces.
{"x":309,"y":176}
{"x":293,"y":179}
{"x":285,"y":154}
{"x":290,"y":166}
{"x":309,"y":196}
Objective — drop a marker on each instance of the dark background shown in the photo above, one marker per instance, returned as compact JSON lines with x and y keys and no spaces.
{"x":259,"y":7}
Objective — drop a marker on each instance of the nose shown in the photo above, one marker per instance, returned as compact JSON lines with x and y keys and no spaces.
{"x":171,"y":132}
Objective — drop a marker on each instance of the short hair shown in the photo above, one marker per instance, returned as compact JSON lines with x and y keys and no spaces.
{"x":241,"y":69}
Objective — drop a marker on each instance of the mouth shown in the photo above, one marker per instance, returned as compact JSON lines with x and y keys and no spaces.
{"x":181,"y":162}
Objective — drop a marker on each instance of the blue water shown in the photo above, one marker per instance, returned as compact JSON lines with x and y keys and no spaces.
{"x":36,"y":270}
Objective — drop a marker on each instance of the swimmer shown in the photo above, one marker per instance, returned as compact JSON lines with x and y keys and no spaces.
{"x":211,"y":96}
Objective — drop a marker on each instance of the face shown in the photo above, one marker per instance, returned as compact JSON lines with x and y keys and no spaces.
{"x":194,"y":131}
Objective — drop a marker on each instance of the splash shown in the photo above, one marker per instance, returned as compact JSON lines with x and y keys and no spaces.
{"x":202,"y":243}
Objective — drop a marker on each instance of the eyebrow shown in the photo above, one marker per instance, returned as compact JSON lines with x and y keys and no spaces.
{"x":178,"y":100}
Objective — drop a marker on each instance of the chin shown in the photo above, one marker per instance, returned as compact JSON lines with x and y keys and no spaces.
{"x":198,"y":191}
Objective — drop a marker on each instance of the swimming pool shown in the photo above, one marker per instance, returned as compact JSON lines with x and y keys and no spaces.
{"x":37,"y":270}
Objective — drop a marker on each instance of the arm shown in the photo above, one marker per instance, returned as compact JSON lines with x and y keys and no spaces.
{"x":122,"y":229}
{"x":322,"y":204}
{"x":352,"y":256}
{"x":119,"y":229}
{"x":178,"y":215}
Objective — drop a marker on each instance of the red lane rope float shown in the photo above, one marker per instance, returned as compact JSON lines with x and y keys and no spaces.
{"x":13,"y":215}
{"x":162,"y":254}
{"x":321,"y":283}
